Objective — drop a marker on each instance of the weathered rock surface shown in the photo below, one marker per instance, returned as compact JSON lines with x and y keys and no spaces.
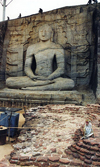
{"x":3,"y":28}
{"x":74,"y":29}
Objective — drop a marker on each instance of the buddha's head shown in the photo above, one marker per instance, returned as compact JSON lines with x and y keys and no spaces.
{"x":45,"y":32}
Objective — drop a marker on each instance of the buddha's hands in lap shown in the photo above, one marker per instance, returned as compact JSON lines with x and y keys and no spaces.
{"x":38,"y":81}
{"x":41,"y":78}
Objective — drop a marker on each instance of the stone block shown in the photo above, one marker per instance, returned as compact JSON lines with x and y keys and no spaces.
{"x":73,"y":149}
{"x":81,"y":153}
{"x":81,"y":158}
{"x":14,"y":161}
{"x":96,"y":163}
{"x":64,"y":160}
{"x":25,"y":158}
{"x":15,"y":158}
{"x":95,"y":158}
{"x":44,"y":164}
{"x":75,"y":155}
{"x":98,"y":154}
{"x":94,"y":143}
{"x":74,"y":145}
{"x":76,"y":162}
{"x":80,"y":144}
{"x":88,"y":156}
{"x":86,"y":165}
{"x":53,"y":150}
{"x":28,"y":163}
{"x":68,"y":152}
{"x":88,"y":161}
{"x":86,"y":141}
{"x":84,"y":151}
{"x":42,"y":159}
{"x":32,"y":159}
{"x":37,"y":164}
{"x":53,"y":159}
{"x":64,"y":156}
{"x":94,"y":148}
{"x":54,"y":165}
{"x":77,"y":148}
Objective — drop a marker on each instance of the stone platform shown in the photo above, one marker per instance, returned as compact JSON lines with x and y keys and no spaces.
{"x":30,"y":98}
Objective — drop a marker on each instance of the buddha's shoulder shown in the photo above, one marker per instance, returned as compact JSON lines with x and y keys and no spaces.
{"x":55,"y":45}
{"x":33,"y":46}
{"x":32,"y":49}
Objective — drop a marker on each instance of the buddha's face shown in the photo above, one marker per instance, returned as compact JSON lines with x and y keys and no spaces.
{"x":45,"y":33}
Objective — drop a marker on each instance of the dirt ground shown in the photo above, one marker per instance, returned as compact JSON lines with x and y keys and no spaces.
{"x":7,"y":148}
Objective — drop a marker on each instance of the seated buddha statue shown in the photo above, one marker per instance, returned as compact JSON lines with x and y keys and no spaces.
{"x":44,"y":66}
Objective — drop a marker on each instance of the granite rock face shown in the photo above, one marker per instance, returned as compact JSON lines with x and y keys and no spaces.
{"x":74,"y":28}
{"x":3,"y":27}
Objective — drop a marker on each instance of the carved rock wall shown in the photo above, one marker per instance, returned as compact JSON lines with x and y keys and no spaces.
{"x":73,"y":29}
{"x":3,"y":26}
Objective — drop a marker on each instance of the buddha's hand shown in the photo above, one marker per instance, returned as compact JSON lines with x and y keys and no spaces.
{"x":34,"y":77}
{"x":39,"y":78}
{"x":50,"y":78}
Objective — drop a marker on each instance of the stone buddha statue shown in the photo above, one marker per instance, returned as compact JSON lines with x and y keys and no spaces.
{"x":44,"y":66}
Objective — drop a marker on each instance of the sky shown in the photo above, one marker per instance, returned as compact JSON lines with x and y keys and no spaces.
{"x":30,"y":7}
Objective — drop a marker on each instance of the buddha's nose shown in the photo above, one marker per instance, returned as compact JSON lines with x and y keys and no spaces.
{"x":43,"y":34}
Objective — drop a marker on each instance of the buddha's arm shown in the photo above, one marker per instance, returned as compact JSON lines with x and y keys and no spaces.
{"x":28,"y":69}
{"x":60,"y":65}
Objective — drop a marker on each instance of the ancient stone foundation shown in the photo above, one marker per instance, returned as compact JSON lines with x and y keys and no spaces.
{"x":46,"y":139}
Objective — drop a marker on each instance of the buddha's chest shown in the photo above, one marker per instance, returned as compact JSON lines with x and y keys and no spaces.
{"x":44,"y":61}
{"x":44,"y":58}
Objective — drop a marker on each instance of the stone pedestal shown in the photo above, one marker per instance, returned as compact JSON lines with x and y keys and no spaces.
{"x":31,"y":98}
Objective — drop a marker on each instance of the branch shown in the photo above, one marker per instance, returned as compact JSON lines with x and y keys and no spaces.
{"x":9,"y":3}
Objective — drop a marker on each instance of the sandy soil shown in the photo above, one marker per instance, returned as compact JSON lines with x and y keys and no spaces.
{"x":7,"y":148}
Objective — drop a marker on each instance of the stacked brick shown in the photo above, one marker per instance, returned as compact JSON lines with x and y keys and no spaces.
{"x":87,"y":150}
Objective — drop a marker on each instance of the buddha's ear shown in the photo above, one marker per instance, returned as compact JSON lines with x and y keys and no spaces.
{"x":38,"y":40}
{"x":51,"y":39}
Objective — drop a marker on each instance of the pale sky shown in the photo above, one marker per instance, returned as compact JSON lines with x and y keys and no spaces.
{"x":30,"y":7}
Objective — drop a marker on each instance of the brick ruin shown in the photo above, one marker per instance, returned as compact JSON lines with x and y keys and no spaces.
{"x":84,"y":152}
